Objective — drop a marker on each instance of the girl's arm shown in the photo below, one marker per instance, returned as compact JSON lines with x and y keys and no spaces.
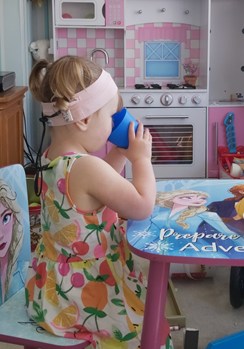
{"x":94,"y":183}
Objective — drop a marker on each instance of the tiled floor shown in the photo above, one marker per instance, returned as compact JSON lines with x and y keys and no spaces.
{"x":206,"y":306}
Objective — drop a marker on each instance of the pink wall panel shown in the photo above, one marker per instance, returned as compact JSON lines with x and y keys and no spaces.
{"x":81,"y":41}
{"x":188,"y":35}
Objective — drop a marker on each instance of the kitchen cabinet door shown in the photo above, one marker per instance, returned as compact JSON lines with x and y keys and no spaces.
{"x":217,"y":136}
{"x":11,"y":126}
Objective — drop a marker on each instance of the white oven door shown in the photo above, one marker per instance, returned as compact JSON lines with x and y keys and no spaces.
{"x":179,"y":141}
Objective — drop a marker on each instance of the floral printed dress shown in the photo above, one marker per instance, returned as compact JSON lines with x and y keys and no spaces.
{"x":82,"y":282}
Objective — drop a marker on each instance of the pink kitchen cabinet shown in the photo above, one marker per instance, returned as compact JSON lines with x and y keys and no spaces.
{"x":216,"y":132}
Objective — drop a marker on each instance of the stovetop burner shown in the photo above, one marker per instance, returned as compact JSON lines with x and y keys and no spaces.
{"x":180,"y":86}
{"x":147,"y":87}
{"x":158,"y":87}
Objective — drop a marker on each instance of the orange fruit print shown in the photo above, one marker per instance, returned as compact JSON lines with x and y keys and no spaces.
{"x":67,"y":235}
{"x":91,"y":219}
{"x":67,"y":317}
{"x":94,"y":294}
{"x":52,"y":209}
{"x":50,"y":289}
{"x":94,"y":297}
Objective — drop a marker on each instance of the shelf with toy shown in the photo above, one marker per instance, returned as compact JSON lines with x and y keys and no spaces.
{"x":231,"y":165}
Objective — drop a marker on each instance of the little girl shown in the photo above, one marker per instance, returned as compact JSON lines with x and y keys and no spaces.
{"x":82,"y":283}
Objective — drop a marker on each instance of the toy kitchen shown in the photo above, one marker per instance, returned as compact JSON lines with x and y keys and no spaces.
{"x":158,"y":53}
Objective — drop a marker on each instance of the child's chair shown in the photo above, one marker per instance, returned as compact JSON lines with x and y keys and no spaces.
{"x":15,"y":325}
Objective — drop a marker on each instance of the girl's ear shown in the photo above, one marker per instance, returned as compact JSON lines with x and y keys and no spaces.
{"x":83,"y":124}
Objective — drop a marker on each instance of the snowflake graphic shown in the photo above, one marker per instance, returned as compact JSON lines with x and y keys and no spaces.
{"x":144,"y":234}
{"x":159,"y":246}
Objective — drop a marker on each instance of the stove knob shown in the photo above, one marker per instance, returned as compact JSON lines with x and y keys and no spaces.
{"x":166,"y":99}
{"x":182,"y":100}
{"x":196,"y":100}
{"x":149,"y":100}
{"x":135,"y":99}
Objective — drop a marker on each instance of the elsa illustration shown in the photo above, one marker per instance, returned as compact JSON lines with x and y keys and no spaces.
{"x":187,"y":210}
{"x":182,"y":212}
{"x":11,"y":239}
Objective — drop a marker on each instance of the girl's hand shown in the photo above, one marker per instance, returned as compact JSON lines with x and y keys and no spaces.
{"x":140,"y":143}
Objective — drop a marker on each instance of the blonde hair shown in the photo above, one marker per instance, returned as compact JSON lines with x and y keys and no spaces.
{"x":8,"y":200}
{"x":59,"y":81}
{"x":165,"y":199}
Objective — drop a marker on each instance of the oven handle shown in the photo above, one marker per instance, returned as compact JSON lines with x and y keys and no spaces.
{"x":166,"y":117}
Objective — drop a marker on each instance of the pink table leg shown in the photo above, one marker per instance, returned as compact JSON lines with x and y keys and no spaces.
{"x":155,"y":328}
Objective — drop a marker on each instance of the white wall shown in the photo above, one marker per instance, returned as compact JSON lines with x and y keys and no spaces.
{"x":14,"y":38}
{"x":21,"y":22}
{"x":41,"y":28}
{"x":14,"y":41}
{"x":227,"y":48}
{"x":1,"y":32}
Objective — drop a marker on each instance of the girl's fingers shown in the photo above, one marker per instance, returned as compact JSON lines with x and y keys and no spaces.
{"x":147,"y":134}
{"x":131,"y":131}
{"x":140,"y":130}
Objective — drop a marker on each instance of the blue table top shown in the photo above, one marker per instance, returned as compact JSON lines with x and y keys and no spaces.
{"x":193,"y":221}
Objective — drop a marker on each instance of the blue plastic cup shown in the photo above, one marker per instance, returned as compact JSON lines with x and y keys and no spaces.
{"x":121,"y":122}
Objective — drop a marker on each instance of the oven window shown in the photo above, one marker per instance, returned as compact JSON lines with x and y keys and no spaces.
{"x":162,"y":59}
{"x":172,"y":144}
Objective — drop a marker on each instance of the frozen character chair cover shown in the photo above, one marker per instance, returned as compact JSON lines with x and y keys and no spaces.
{"x":14,"y":231}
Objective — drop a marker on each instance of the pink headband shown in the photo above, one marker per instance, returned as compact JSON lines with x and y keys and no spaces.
{"x":85,"y":102}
